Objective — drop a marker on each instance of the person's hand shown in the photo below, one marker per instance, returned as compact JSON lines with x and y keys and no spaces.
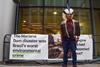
{"x":77,"y":38}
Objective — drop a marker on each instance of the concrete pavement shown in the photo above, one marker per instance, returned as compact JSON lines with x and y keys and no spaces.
{"x":50,"y":65}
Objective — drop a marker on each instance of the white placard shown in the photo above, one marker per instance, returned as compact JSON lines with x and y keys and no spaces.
{"x":28,"y":47}
{"x":84,"y":48}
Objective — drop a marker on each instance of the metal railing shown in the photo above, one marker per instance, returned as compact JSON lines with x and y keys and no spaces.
{"x":6,"y":48}
{"x":6,"y":44}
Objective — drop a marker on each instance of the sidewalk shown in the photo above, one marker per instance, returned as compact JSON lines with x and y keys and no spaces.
{"x":55,"y":65}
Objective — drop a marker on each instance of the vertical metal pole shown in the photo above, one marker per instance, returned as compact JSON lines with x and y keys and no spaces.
{"x":43,"y":29}
{"x":29,"y":17}
{"x":17,"y":17}
{"x":93,"y":25}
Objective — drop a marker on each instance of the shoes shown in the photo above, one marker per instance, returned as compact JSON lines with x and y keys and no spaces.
{"x":64,"y":65}
{"x":74,"y":65}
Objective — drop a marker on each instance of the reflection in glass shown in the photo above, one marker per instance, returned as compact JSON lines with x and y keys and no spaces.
{"x":97,"y":36}
{"x":83,"y":17}
{"x":30,"y":20}
{"x":73,"y":3}
{"x":32,"y":2}
{"x":52,"y":20}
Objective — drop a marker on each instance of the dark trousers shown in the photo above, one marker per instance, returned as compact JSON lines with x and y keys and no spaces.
{"x":69,"y":44}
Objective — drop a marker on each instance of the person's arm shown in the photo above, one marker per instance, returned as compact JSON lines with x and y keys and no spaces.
{"x":77,"y":31}
{"x":61,"y":31}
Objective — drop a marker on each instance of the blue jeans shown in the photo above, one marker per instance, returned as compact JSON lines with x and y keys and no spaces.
{"x":69,"y":44}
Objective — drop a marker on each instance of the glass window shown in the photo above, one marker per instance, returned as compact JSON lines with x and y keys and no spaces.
{"x":62,"y":3}
{"x":96,"y":3}
{"x":79,"y":3}
{"x":97,"y":49}
{"x":97,"y":21}
{"x":55,"y":2}
{"x":53,"y":18}
{"x":30,"y":20}
{"x":34,"y":19}
{"x":32,"y":2}
{"x":83,"y":17}
{"x":97,"y":25}
{"x":73,"y":3}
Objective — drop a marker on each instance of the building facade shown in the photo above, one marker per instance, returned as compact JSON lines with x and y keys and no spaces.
{"x":7,"y":20}
{"x":45,"y":16}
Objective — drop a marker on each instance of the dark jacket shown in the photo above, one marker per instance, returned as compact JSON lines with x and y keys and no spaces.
{"x":76,"y":31}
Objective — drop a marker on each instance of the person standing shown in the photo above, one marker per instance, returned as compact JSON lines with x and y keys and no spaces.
{"x":70,"y":32}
